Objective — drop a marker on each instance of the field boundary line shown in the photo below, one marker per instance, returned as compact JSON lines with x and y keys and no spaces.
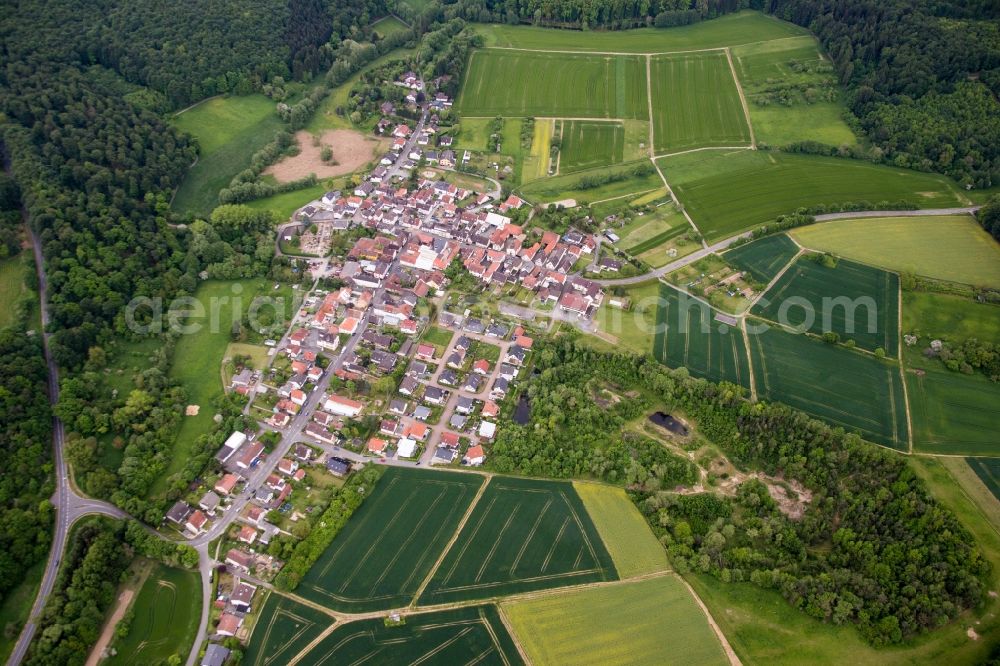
{"x":778,"y":276}
{"x":623,"y":196}
{"x":311,"y":645}
{"x":513,"y":636}
{"x":677,"y":202}
{"x":734,"y":660}
{"x":746,"y":346}
{"x":743,"y":99}
{"x":698,"y":150}
{"x":649,"y":104}
{"x":451,"y":542}
{"x":902,"y":369}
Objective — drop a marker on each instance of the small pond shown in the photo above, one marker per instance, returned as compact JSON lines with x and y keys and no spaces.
{"x":522,"y":413}
{"x":667,"y":421}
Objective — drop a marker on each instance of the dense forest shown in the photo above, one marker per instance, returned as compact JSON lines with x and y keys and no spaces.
{"x":873,"y":547}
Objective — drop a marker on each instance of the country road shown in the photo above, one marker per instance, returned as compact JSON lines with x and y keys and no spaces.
{"x":69,"y":506}
{"x":725,"y":243}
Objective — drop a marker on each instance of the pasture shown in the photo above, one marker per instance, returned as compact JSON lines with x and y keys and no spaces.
{"x":198,"y":355}
{"x":788,"y":84}
{"x":516,"y":83}
{"x":729,"y":30}
{"x":953,"y":248}
{"x":696,"y":103}
{"x":586,"y":144}
{"x":283,"y":628}
{"x":473,"y":635}
{"x":632,"y":329}
{"x":845,"y":388}
{"x":546,"y":190}
{"x":523,"y":535}
{"x":388,"y":26}
{"x":653,"y":621}
{"x":632,"y":546}
{"x":988,"y":471}
{"x":12,"y":287}
{"x":166,"y":615}
{"x":286,"y":203}
{"x":729,"y":191}
{"x":855,"y":301}
{"x":385,"y":551}
{"x":229,"y":131}
{"x":949,"y":317}
{"x":688,"y":335}
{"x":763,"y":259}
{"x":953,"y":413}
{"x":653,"y":229}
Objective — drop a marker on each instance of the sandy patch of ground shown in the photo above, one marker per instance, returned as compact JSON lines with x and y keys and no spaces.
{"x":192,"y":410}
{"x":351,"y":150}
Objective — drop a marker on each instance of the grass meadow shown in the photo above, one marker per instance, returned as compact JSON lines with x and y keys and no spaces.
{"x":845,"y":388}
{"x":729,"y":191}
{"x":953,"y":248}
{"x":763,"y":259}
{"x":778,"y":68}
{"x":567,"y":187}
{"x":381,"y":557}
{"x":166,"y":614}
{"x":632,"y":546}
{"x":730,"y":30}
{"x":810,"y":282}
{"x":12,"y":273}
{"x":949,"y":317}
{"x":388,"y":26}
{"x":197,"y":360}
{"x":523,"y":535}
{"x":229,"y":131}
{"x":515,"y":83}
{"x":587,"y":144}
{"x":282,"y":629}
{"x":696,"y":103}
{"x":472,"y":635}
{"x":688,"y":335}
{"x":953,"y":413}
{"x":654,"y":621}
{"x":632,"y":329}
{"x":326,"y":116}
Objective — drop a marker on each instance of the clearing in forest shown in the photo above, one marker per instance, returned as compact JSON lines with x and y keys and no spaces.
{"x":351,"y":151}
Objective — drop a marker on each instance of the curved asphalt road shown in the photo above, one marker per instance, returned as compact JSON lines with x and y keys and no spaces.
{"x":723,"y":244}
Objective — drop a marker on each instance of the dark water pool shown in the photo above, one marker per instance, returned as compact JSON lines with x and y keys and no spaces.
{"x":667,"y":421}
{"x":522,"y":413}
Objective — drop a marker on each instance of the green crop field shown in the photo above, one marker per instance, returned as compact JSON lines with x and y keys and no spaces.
{"x":730,"y":30}
{"x":586,"y":144}
{"x":763,"y":259}
{"x":953,"y":248}
{"x":654,"y":621}
{"x":773,"y":74}
{"x":988,"y":471}
{"x":729,"y":191}
{"x":197,"y":360}
{"x":229,"y":130}
{"x":517,"y":83}
{"x":855,"y":301}
{"x":473,"y":635}
{"x":631,"y":544}
{"x":12,"y":273}
{"x":166,"y":615}
{"x":688,"y":335}
{"x":949,"y":317}
{"x":381,"y":557}
{"x":953,"y":413}
{"x":523,"y":535}
{"x":845,"y":388}
{"x":283,"y":628}
{"x":696,"y":103}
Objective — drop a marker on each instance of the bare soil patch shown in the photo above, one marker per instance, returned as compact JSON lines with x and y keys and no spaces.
{"x":351,"y":151}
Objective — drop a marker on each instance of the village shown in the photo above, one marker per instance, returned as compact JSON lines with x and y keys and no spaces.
{"x":379,"y":367}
